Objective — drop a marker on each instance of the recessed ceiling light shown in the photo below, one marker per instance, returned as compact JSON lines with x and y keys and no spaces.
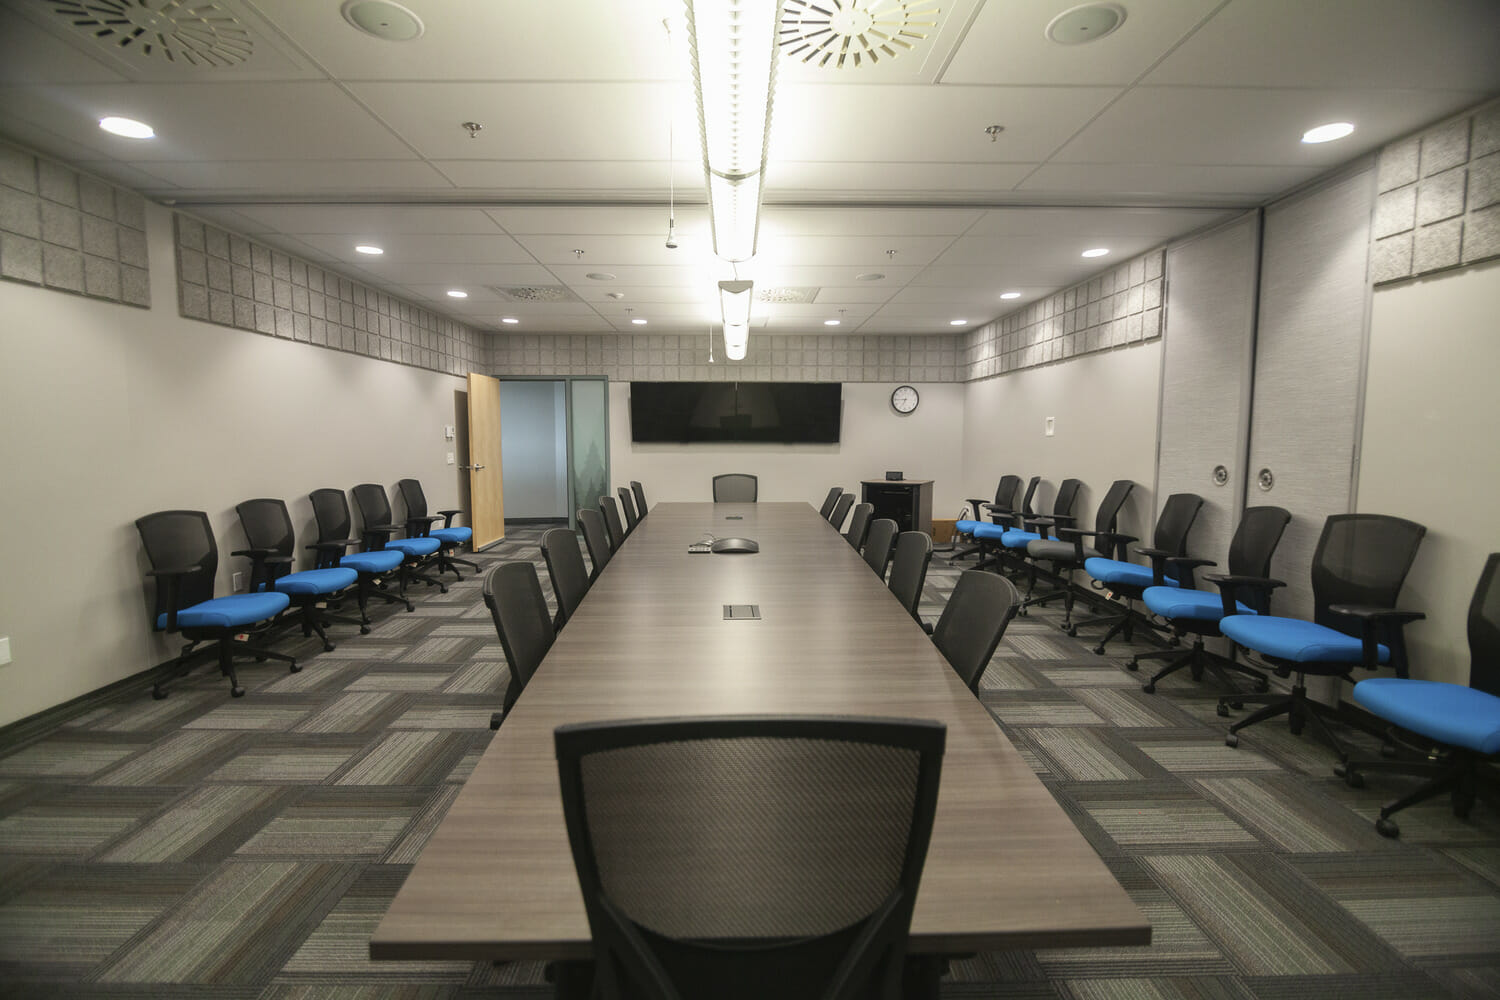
{"x":958,"y":322}
{"x":1096,"y":252}
{"x":830,"y":322}
{"x":127,"y":127}
{"x":869,"y":276}
{"x":600,"y":276}
{"x":1010,"y":295}
{"x":370,"y":249}
{"x":509,"y":319}
{"x":455,"y":293}
{"x":1327,"y":133}
{"x":638,"y":321}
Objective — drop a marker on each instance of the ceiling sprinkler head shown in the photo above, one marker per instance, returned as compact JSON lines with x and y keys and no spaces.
{"x":473,"y":128}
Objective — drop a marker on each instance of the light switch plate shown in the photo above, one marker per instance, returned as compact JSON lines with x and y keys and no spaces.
{"x":1051,"y":426}
{"x":447,"y":432}
{"x":4,"y":649}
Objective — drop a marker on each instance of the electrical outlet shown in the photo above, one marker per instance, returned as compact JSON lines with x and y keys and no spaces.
{"x":1051,"y":426}
{"x":4,"y":650}
{"x":237,"y":582}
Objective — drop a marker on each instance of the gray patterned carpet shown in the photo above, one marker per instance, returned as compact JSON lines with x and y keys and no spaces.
{"x":203,"y":847}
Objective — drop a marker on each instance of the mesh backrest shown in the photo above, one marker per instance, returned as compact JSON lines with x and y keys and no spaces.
{"x":973,"y":622}
{"x":841,"y":509}
{"x":513,"y":594}
{"x":331,"y":511}
{"x":859,"y":524}
{"x":1484,"y":629}
{"x":1031,"y":486}
{"x":1005,"y":492}
{"x":413,"y":497}
{"x":909,"y":569}
{"x":267,"y":525}
{"x":1361,"y":559}
{"x":1067,"y":496}
{"x":570,"y":578}
{"x":1176,"y":520}
{"x":829,"y":501}
{"x":627,"y":507}
{"x":1108,"y":514}
{"x":735,"y":487}
{"x":374,"y":508}
{"x":1255,"y":540}
{"x":878,"y":544}
{"x":595,"y":538}
{"x":179,"y":539}
{"x":612,"y":521}
{"x":640,"y":497}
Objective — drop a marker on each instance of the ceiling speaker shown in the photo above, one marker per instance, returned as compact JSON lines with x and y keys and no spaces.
{"x":383,"y":19}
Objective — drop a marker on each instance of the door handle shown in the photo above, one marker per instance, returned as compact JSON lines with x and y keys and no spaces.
{"x":471,"y":468}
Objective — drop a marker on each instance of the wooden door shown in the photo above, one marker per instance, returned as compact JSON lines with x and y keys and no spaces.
{"x":487,"y":506}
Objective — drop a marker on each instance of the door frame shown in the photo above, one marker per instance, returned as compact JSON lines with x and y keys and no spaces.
{"x":567,"y":381}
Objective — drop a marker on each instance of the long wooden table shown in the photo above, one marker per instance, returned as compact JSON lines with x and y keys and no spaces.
{"x":1006,"y":868}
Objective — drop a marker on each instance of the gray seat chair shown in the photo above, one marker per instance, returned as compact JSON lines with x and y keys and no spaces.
{"x":826,"y":511}
{"x":840,"y":510}
{"x":612,"y":521}
{"x":909,"y":569}
{"x":735,"y":487}
{"x":640,"y":499}
{"x":513,"y":594}
{"x":570,"y":578}
{"x":596,"y":538}
{"x":627,"y":507}
{"x":974,"y":621}
{"x":879,"y":543}
{"x":859,"y":524}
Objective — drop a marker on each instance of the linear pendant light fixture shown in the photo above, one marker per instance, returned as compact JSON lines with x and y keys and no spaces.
{"x":734,"y":305}
{"x":734,"y":46}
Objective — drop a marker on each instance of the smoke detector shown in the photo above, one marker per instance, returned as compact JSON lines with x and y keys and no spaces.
{"x":1087,"y":23}
{"x":383,"y":19}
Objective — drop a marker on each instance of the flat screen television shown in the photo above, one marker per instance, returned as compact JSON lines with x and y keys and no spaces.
{"x":785,"y":412}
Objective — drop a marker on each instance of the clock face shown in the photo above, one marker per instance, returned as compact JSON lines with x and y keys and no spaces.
{"x":905,"y":399}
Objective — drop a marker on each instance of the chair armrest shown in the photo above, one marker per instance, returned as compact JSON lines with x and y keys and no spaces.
{"x":1228,"y":582}
{"x":172,"y":572}
{"x":1371,"y":617}
{"x":418,"y":527}
{"x":1110,"y":541}
{"x":337,"y":546}
{"x":448,"y":516}
{"x":1159,"y":559}
{"x":330,"y":552}
{"x":376,"y":535}
{"x":169,"y":578}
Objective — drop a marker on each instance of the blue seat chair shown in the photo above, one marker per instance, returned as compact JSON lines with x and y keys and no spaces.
{"x":336,"y":537}
{"x":269,"y":532}
{"x":1127,"y":580}
{"x":1454,"y":729}
{"x":988,"y":536}
{"x":1358,"y":568}
{"x":379,"y":531}
{"x":450,"y":537}
{"x":1067,"y":553}
{"x":1198,"y":612}
{"x":184,"y":560}
{"x":1005,"y":497}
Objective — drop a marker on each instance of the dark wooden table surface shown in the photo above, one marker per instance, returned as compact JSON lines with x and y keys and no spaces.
{"x":1006,"y":867}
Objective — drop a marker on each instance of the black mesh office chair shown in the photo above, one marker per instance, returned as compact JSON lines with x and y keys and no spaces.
{"x":513,"y":594}
{"x":840,"y":510}
{"x":570,"y":578}
{"x":826,"y":511}
{"x":859,"y":524}
{"x":380,"y":532}
{"x":450,"y":538}
{"x":740,"y":857}
{"x":627,"y":507}
{"x":913,"y":553}
{"x":336,"y":537}
{"x":1005,"y":496}
{"x":735,"y":487}
{"x":879,"y":543}
{"x":596,"y":537}
{"x":272,"y":550}
{"x":640,"y":498}
{"x":1066,"y":552}
{"x":973,"y":622}
{"x":612,"y":522}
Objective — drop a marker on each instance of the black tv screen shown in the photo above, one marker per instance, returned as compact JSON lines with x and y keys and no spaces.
{"x":786,"y":412}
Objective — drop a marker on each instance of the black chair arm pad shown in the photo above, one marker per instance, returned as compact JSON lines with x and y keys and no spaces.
{"x":381,"y":529}
{"x":1156,"y":553}
{"x":337,"y":546}
{"x":448,"y":516}
{"x":1228,"y":583}
{"x":1187,"y":562}
{"x":252,"y":553}
{"x":172,"y":571}
{"x":425,"y":519}
{"x":1370,"y":613}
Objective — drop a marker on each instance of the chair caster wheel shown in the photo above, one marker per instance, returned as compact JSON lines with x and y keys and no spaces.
{"x":1133,"y":665}
{"x":1149,"y":688}
{"x":157,"y":693}
{"x":1072,"y":630}
{"x":1386,"y":828}
{"x":1387,"y":750}
{"x":1354,"y":779}
{"x":329,"y":647}
{"x":1098,"y":650}
{"x":442,"y":588}
{"x":1222,"y":710}
{"x":364,"y":630}
{"x":410,"y":607}
{"x":1236,"y":705}
{"x":236,"y":692}
{"x":1231,"y":740}
{"x":292,"y":668}
{"x":1022,"y":613}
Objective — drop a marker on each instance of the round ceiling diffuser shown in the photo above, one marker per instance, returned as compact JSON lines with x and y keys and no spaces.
{"x":849,"y":33}
{"x":185,"y":32}
{"x":1088,"y":23}
{"x":383,"y":19}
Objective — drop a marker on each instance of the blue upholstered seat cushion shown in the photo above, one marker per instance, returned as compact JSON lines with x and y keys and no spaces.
{"x":414,"y":546}
{"x":317,"y":581}
{"x":1296,"y":640}
{"x":966,"y":526}
{"x":1174,"y":603}
{"x":452,"y":536}
{"x":1118,"y":573}
{"x":1015,"y":538}
{"x":1449,"y":713}
{"x":1052,"y":549}
{"x":229,"y":612}
{"x":372,"y":562}
{"x":988,"y":532}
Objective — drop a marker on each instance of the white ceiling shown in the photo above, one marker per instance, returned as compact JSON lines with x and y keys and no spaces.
{"x":325,"y":137}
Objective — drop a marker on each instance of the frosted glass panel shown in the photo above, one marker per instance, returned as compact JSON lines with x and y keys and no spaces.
{"x":588,"y":440}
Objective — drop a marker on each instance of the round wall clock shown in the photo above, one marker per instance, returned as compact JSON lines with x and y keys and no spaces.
{"x":904,"y":399}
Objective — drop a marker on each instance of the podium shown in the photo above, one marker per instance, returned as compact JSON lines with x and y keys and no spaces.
{"x":908,"y":502}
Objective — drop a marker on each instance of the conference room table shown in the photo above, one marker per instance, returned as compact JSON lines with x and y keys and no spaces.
{"x":1006,"y":867}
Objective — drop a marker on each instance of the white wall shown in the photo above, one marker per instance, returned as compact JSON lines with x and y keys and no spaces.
{"x":109,"y":412}
{"x":1105,"y":410}
{"x":1430,"y":449}
{"x":926,"y":444}
{"x":534,"y":447}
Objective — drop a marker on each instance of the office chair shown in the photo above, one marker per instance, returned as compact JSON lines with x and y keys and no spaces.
{"x":879,"y":542}
{"x":419,"y":523}
{"x":184,"y":560}
{"x":841,"y":510}
{"x":379,"y":532}
{"x":1035,"y":527}
{"x":1066,"y":552}
{"x":859,"y":524}
{"x":1460,"y":726}
{"x":730,"y":856}
{"x":973,"y":622}
{"x":335,"y":531}
{"x":1005,"y":495}
{"x":1197,"y":612}
{"x":1357,"y":571}
{"x":627,"y":507}
{"x":640,"y":498}
{"x":612,"y":522}
{"x":513,"y":594}
{"x":570,"y":578}
{"x":1124,"y":579}
{"x":735,"y":487}
{"x":826,"y":511}
{"x":596,"y":537}
{"x":268,"y":530}
{"x":913,"y":553}
{"x":988,"y":536}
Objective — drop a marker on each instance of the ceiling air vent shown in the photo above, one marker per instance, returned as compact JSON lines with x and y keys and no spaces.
{"x":182,"y":32}
{"x":535,"y":293}
{"x":844,"y":34}
{"x":786,"y":296}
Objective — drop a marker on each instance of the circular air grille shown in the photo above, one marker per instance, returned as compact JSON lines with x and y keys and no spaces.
{"x":852,"y":32}
{"x":184,"y":32}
